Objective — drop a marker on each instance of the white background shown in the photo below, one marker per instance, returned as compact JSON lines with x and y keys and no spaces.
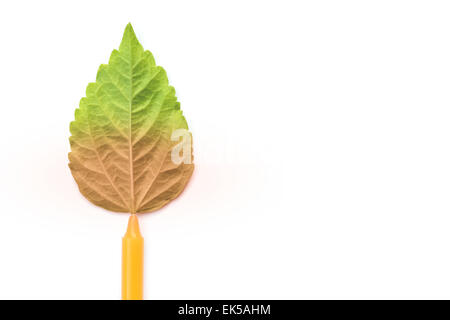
{"x":321,"y":141}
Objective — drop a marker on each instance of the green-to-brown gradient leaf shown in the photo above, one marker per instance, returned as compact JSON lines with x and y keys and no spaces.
{"x":121,"y":137}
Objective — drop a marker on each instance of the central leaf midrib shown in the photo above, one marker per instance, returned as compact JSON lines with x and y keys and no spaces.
{"x":130,"y":142}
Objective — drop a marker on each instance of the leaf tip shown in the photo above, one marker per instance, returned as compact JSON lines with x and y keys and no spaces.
{"x":129,"y":32}
{"x":129,"y":27}
{"x":129,"y":39}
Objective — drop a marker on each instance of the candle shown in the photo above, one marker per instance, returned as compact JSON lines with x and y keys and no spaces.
{"x":132,"y":261}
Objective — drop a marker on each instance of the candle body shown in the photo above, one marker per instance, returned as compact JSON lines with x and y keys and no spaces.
{"x":132,"y":261}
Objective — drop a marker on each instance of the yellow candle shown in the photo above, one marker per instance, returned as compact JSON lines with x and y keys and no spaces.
{"x":132,"y":261}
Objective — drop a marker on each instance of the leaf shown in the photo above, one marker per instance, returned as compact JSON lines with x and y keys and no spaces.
{"x":121,"y":138}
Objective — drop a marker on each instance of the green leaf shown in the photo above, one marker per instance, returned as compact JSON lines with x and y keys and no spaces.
{"x":121,"y":145}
